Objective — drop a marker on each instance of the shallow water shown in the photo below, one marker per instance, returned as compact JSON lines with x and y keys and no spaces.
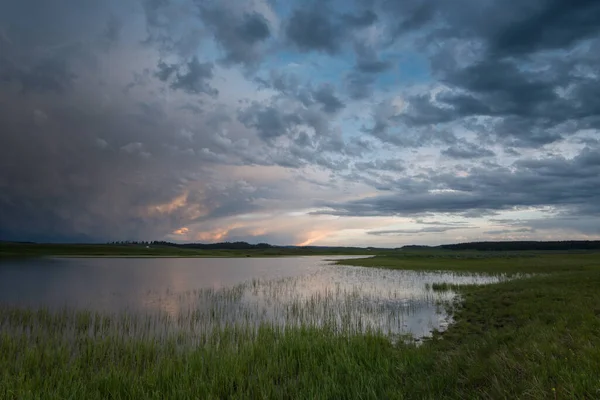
{"x":203,"y":293}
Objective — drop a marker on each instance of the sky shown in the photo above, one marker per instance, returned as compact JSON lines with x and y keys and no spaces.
{"x":354,"y":122}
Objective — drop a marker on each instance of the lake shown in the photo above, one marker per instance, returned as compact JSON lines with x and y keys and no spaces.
{"x":200,"y":294}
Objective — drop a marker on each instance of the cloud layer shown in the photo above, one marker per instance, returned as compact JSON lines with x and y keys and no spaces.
{"x":358,"y":123}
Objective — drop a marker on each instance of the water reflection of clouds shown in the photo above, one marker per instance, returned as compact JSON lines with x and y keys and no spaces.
{"x":281,"y":291}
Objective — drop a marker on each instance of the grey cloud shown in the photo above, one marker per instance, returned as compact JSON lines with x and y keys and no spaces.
{"x":165,"y":71}
{"x":359,"y":146}
{"x":507,"y":28}
{"x":431,"y":229}
{"x":367,"y":60}
{"x":586,"y":223}
{"x":389,"y":126}
{"x":467,"y":151}
{"x":440,"y":223}
{"x":101,"y":143}
{"x":289,"y":85}
{"x":195,"y":78}
{"x":240,"y":37}
{"x":49,"y":74}
{"x":489,"y":88}
{"x":268,"y":120}
{"x":136,"y":148}
{"x":556,"y":182}
{"x":512,"y":63}
{"x":313,"y":29}
{"x":373,"y":66}
{"x":549,"y":24}
{"x":113,"y":162}
{"x":193,"y":108}
{"x":522,"y":107}
{"x":254,"y":28}
{"x":326,"y":97}
{"x":88,"y":162}
{"x":407,"y":16}
{"x":97,"y":170}
{"x":394,"y":165}
{"x":112,"y":31}
{"x":303,"y":140}
{"x":316,"y":28}
{"x":366,"y":18}
{"x":359,"y":86}
{"x":508,"y":231}
{"x":164,"y":22}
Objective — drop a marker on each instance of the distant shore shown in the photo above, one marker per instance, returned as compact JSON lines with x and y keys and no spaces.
{"x":20,"y":250}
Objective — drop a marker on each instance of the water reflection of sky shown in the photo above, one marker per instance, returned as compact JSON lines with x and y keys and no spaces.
{"x":211,"y":291}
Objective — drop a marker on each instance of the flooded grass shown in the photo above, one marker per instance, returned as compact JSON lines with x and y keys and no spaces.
{"x":359,"y":301}
{"x":534,"y":337}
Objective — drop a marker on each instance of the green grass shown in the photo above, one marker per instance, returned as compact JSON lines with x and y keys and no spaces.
{"x":536,"y":337}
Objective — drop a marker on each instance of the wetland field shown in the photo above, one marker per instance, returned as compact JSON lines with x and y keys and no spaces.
{"x":414,"y":325}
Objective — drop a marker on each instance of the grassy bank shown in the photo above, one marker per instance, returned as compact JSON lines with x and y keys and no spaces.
{"x":537,"y":337}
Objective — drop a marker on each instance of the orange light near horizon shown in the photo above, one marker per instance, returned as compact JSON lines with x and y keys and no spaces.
{"x":211,"y":236}
{"x":181,"y":231}
{"x":169,"y":207}
{"x":258,"y":232}
{"x":314,"y":236}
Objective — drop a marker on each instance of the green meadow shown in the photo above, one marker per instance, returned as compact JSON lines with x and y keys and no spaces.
{"x":536,"y":336}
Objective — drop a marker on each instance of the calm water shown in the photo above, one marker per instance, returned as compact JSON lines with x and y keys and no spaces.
{"x":206,"y":292}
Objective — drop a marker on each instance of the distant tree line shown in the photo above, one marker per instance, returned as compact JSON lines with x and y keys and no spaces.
{"x":206,"y":246}
{"x":526,"y":245}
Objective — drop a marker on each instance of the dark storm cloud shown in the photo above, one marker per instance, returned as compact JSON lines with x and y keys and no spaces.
{"x":84,"y":161}
{"x":49,"y":74}
{"x":507,"y":27}
{"x":240,"y":36}
{"x":48,"y":70}
{"x":87,"y":161}
{"x":551,"y":24}
{"x":87,"y":156}
{"x":517,"y":64}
